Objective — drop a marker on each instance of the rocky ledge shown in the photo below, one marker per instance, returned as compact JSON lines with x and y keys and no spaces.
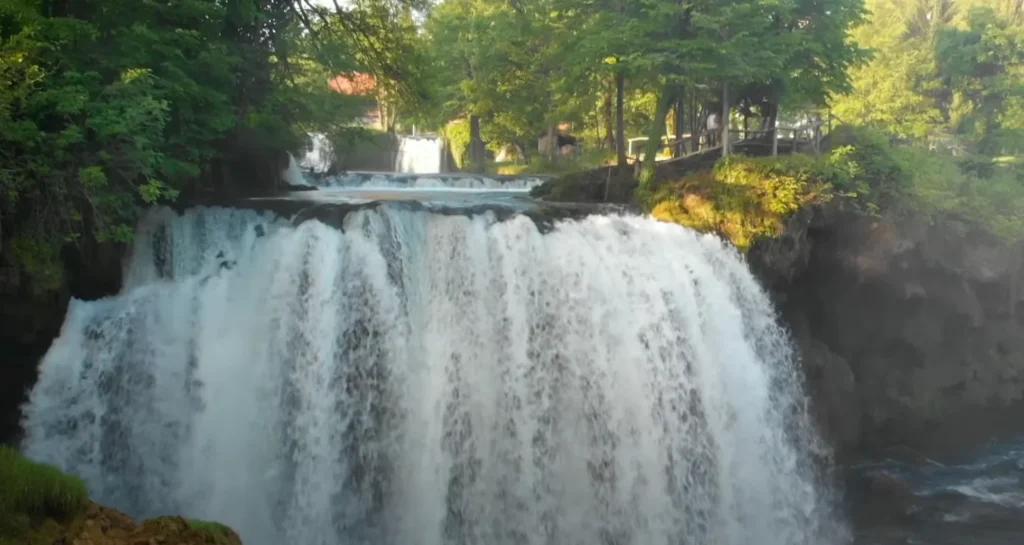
{"x":104,"y":526}
{"x":911,"y":328}
{"x":40,"y":505}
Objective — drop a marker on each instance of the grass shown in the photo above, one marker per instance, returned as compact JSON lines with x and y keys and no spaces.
{"x":33,"y":497}
{"x":215,"y":532}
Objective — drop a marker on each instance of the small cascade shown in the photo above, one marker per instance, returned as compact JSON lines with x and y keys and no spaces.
{"x":293,"y":174}
{"x":387,"y":180}
{"x":320,"y":156}
{"x":419,"y":154}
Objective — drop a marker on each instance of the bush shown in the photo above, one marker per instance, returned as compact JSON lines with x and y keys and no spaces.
{"x":31,"y":493}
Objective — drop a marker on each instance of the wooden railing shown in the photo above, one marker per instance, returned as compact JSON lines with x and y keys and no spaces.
{"x":809,"y":133}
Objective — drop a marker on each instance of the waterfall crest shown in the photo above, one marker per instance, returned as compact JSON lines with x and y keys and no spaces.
{"x":417,"y":379}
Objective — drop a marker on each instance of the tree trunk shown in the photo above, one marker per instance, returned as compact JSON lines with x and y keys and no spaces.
{"x":620,"y":129}
{"x":476,"y":144}
{"x":654,"y":134}
{"x":679,"y":147}
{"x":725,"y":120}
{"x":552,"y":142}
{"x":608,"y":117}
{"x":695,"y":117}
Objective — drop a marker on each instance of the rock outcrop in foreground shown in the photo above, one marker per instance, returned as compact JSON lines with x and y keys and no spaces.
{"x":911,"y":328}
{"x":39,"y":505}
{"x":104,"y":526}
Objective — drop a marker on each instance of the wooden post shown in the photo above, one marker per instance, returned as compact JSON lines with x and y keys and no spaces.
{"x":725,"y":119}
{"x":775,"y":141}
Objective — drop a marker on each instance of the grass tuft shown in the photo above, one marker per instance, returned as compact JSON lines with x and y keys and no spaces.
{"x":32,"y":494}
{"x":215,"y":532}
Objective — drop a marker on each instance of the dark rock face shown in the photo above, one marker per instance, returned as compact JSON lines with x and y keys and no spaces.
{"x":912,"y":331}
{"x":29,"y":321}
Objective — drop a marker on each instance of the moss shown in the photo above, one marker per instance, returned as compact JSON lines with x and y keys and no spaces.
{"x":214,"y":532}
{"x":743,"y":198}
{"x":34,"y":498}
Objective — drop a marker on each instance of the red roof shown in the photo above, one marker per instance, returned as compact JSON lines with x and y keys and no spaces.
{"x":355,"y":83}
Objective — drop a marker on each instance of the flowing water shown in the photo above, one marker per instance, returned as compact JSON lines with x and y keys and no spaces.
{"x":426,"y":379}
{"x":419,"y":154}
{"x":381,"y":180}
{"x":320,"y":156}
{"x":979,"y":501}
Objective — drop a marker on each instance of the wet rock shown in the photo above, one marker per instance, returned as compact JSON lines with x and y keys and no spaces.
{"x":879,"y":498}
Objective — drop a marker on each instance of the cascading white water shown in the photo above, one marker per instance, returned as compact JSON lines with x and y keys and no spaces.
{"x":293,"y":174}
{"x":420,"y":379}
{"x":419,"y":154}
{"x":320,"y":156}
{"x":365,"y":180}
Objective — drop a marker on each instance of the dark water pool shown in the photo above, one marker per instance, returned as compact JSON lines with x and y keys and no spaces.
{"x":979,"y":501}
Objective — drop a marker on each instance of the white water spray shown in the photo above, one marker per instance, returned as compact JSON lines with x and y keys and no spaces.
{"x":293,"y":174}
{"x":320,"y":156}
{"x":419,"y":154}
{"x":419,"y":379}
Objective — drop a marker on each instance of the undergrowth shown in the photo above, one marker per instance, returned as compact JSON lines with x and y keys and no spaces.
{"x":33,"y":496}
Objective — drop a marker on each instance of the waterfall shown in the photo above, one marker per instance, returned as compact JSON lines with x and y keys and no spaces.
{"x":419,"y":154}
{"x":320,"y":155}
{"x":418,"y":379}
{"x":293,"y":174}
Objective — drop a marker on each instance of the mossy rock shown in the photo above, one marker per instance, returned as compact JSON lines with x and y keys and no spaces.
{"x":744,"y":199}
{"x":40,"y":505}
{"x":215,"y":532}
{"x":36,"y":500}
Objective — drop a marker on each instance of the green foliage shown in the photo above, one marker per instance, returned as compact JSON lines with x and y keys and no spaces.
{"x":909,"y":179}
{"x":871,"y":173}
{"x":31,"y":493}
{"x":523,"y":67}
{"x":456,"y":134}
{"x":110,"y":105}
{"x":942,"y":70}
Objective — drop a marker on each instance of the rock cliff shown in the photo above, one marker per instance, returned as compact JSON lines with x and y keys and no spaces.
{"x":911,"y":328}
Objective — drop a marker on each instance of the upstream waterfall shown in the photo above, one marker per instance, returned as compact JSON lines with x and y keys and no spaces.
{"x":419,"y":154}
{"x":420,"y":379}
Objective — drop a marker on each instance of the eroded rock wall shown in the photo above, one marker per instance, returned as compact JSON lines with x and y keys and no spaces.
{"x":911,"y":328}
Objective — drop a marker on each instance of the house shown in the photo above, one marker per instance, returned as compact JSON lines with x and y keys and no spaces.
{"x":360,"y":84}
